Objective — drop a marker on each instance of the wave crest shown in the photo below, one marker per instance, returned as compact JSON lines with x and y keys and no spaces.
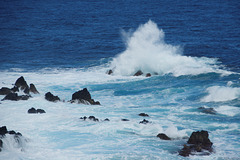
{"x":147,"y":51}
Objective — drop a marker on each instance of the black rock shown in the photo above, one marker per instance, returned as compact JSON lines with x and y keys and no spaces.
{"x":5,"y":91}
{"x":200,"y":138}
{"x":32,"y":110}
{"x":138,"y":73}
{"x":198,"y":142}
{"x":50,"y":97}
{"x":84,"y":118}
{"x":208,"y":110}
{"x":40,"y":111}
{"x":106,"y":119}
{"x":12,"y":132}
{"x":22,"y":84}
{"x":11,"y":96}
{"x":109,"y":72}
{"x":15,"y":97}
{"x":143,"y":115}
{"x":33,"y":89}
{"x":83,"y":96}
{"x":148,"y":75}
{"x":93,"y":118}
{"x":1,"y":145}
{"x":124,"y":119}
{"x":3,"y":130}
{"x":163,"y":136}
{"x":144,"y":121}
{"x":15,"y":89}
{"x":24,"y":97}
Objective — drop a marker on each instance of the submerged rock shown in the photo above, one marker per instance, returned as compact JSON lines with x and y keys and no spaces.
{"x":143,"y":114}
{"x":125,"y":119}
{"x":163,"y":136}
{"x":144,"y":121}
{"x":83,"y":96}
{"x":138,"y":73}
{"x":198,"y":142}
{"x":92,"y":118}
{"x":50,"y":97}
{"x":208,"y":110}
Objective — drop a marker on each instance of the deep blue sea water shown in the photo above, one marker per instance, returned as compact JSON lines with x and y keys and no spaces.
{"x":191,"y":48}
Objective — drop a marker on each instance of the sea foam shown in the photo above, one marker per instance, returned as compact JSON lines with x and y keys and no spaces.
{"x":221,"y":93}
{"x":147,"y":51}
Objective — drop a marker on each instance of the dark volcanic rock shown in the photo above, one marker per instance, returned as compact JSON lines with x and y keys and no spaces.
{"x":90,"y":118}
{"x":15,"y":97}
{"x":109,"y":72}
{"x":148,"y":75}
{"x":1,"y":145}
{"x":11,"y":96}
{"x":138,"y":73}
{"x":3,"y":130}
{"x":22,"y":84}
{"x":163,"y":136}
{"x":208,"y":110}
{"x":106,"y":119}
{"x":32,"y":110}
{"x":33,"y":89}
{"x":40,"y":111}
{"x":144,"y":121}
{"x":5,"y":91}
{"x":83,"y":96}
{"x":50,"y":97}
{"x":143,"y":115}
{"x":198,"y":142}
{"x":15,"y":89}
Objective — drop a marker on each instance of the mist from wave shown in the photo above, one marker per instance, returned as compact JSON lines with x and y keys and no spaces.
{"x":147,"y":51}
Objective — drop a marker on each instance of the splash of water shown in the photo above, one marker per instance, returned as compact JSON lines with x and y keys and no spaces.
{"x":147,"y":51}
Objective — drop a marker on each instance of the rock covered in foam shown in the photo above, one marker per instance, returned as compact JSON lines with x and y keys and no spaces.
{"x":197,"y":143}
{"x":138,"y":73}
{"x":84,"y":97}
{"x":208,"y":110}
{"x":144,"y":121}
{"x":4,"y":132}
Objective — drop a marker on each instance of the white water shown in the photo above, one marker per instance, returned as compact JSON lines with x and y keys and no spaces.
{"x":147,"y":51}
{"x":221,"y":93}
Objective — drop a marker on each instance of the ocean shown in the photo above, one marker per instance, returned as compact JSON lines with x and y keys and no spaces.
{"x":190,"y":48}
